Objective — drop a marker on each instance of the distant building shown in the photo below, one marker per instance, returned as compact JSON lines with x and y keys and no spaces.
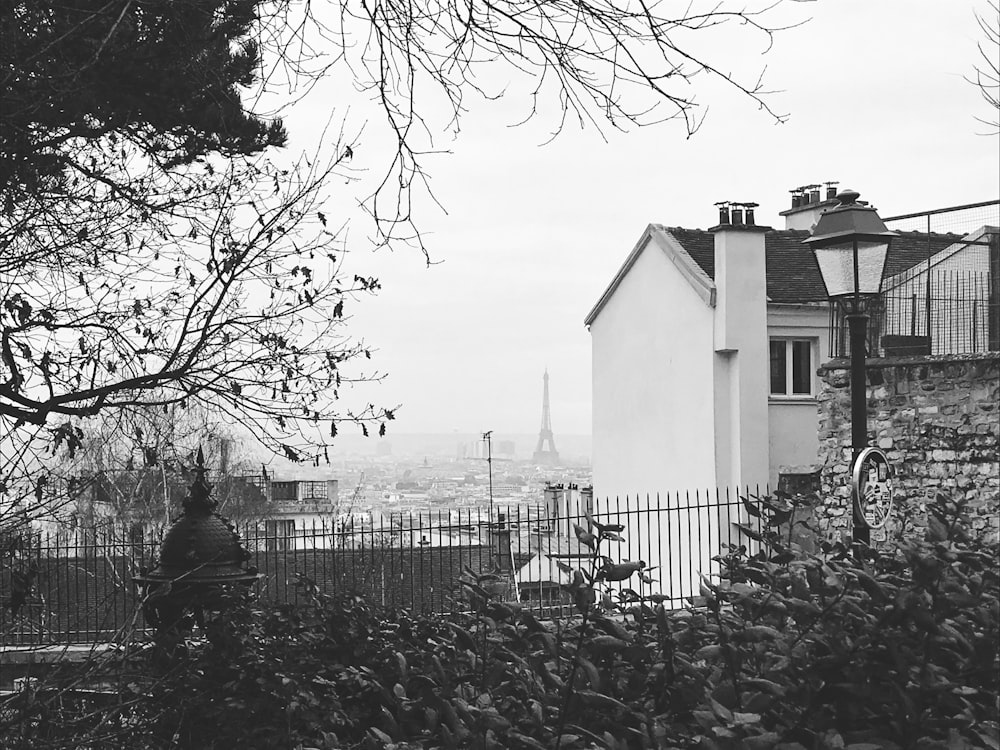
{"x":504,"y":449}
{"x":564,"y":505}
{"x":545,"y":451}
{"x":296,"y":508}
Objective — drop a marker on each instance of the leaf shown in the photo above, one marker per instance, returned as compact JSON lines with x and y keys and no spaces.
{"x":600,"y":700}
{"x":584,"y":536}
{"x":750,"y":508}
{"x":765,"y":685}
{"x":708,"y":652}
{"x":621,"y":571}
{"x":872,"y":587}
{"x":749,"y":532}
{"x":757,"y":633}
{"x":379,"y":735}
{"x":611,"y":627}
{"x":608,"y":642}
{"x":593,"y":676}
{"x":936,"y":530}
{"x":719,"y":710}
{"x":526,"y":741}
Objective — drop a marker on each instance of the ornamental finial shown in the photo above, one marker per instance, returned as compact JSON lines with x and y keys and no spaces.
{"x":199,"y":497}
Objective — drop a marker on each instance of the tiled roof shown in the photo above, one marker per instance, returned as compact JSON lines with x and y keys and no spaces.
{"x":792,"y":273}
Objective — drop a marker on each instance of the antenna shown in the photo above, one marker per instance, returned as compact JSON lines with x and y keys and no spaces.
{"x":488,"y":437}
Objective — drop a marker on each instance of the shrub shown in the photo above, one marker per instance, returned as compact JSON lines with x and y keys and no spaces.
{"x":792,"y":651}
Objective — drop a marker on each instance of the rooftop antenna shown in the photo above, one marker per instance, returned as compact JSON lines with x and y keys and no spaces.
{"x":488,"y":437}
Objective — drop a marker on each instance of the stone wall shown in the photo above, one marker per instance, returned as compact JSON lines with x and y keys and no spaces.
{"x":938,"y":420}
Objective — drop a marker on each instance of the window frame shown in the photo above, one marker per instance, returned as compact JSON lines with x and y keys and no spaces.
{"x":790,"y":341}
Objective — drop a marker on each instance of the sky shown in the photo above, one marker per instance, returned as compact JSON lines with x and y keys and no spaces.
{"x":531,"y":233}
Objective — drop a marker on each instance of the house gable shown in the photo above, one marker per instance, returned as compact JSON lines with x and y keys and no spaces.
{"x":660,"y":238}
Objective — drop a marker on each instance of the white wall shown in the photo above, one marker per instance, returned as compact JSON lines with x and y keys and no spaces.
{"x":793,"y":432}
{"x":740,"y":380}
{"x":652,"y":375}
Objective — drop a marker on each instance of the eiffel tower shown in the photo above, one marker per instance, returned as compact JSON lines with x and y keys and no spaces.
{"x":542,"y":454}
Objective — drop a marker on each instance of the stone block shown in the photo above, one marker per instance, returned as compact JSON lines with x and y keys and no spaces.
{"x":885,"y":443}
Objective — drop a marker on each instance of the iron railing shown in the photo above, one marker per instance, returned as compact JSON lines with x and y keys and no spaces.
{"x":944,"y":306}
{"x":77,"y":588}
{"x":944,"y":312}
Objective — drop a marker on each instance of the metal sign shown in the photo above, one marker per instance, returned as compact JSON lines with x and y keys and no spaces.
{"x":871,"y":487}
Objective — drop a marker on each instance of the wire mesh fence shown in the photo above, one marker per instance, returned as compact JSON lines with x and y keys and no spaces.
{"x":948,"y":220}
{"x":944,"y":312}
{"x":78,"y":587}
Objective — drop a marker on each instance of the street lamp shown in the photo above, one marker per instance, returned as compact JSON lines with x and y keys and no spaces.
{"x":851,"y":243}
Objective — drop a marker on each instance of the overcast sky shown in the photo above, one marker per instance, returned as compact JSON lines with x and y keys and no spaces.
{"x":533,"y":233}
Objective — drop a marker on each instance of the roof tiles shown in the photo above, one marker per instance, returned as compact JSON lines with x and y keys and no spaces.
{"x":792,"y":273}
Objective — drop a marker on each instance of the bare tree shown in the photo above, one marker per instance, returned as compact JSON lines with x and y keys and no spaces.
{"x":136,"y":466}
{"x":987,"y":76}
{"x":153,"y":256}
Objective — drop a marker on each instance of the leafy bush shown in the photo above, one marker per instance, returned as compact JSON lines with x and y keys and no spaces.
{"x":792,"y":651}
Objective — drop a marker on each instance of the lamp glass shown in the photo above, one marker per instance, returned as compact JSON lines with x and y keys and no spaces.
{"x":836,"y":264}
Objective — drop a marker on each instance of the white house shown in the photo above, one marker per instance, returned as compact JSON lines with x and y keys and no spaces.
{"x":705,"y":347}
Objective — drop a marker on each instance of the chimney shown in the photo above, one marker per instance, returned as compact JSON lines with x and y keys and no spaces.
{"x":740,"y":377}
{"x":723,"y":212}
{"x":808,"y":203}
{"x":742,"y":213}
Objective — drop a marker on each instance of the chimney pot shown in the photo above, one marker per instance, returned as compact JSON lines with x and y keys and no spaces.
{"x":749,"y":218}
{"x":814,"y":193}
{"x":723,"y":212}
{"x":831,"y":190}
{"x":737,"y":215}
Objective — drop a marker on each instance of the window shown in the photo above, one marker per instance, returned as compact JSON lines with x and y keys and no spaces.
{"x":314,"y":490}
{"x":791,"y":367}
{"x":283,"y":492}
{"x":279,"y":534}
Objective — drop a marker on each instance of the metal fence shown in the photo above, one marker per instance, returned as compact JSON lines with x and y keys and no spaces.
{"x":949,"y":303}
{"x":77,"y":588}
{"x":944,"y":312}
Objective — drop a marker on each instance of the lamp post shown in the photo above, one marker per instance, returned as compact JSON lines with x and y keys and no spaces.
{"x":851,"y":243}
